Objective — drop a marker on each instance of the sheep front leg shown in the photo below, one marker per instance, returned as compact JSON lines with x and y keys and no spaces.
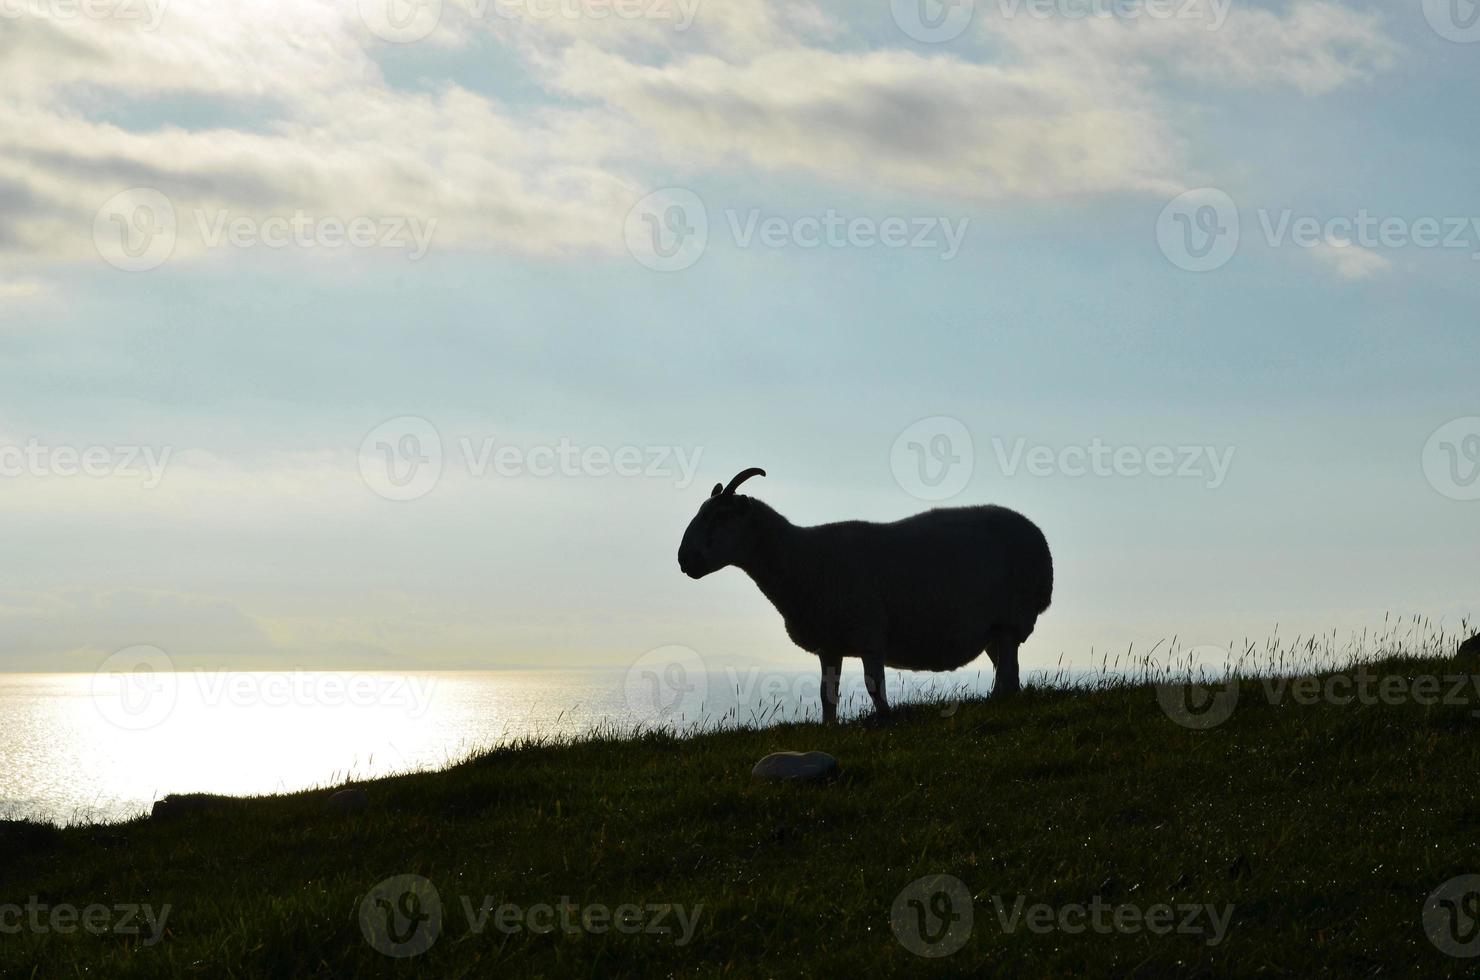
{"x":832,"y":672}
{"x":873,"y":677}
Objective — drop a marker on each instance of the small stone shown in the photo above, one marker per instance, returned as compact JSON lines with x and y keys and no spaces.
{"x":782,"y":767}
{"x":351,"y":800}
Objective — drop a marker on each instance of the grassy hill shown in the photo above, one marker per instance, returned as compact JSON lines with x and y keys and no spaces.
{"x":1298,"y":836}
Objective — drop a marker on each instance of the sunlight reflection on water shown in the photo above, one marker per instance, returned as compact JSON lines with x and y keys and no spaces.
{"x":77,"y":750}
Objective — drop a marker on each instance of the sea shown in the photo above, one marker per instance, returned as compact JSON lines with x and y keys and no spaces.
{"x":95,"y":748}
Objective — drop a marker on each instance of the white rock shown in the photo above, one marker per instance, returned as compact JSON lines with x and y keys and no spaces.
{"x":780,"y":767}
{"x":351,"y":800}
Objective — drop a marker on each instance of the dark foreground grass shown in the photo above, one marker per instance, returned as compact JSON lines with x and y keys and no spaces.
{"x":1319,"y":829}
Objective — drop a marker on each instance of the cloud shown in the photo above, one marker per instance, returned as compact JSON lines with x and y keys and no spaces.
{"x":647,"y":27}
{"x":1044,"y":108}
{"x":1349,"y":260}
{"x":75,"y":629}
{"x":485,"y":181}
{"x":1313,"y":46}
{"x":290,"y":112}
{"x":15,"y":290}
{"x":258,"y":48}
{"x":328,"y":136}
{"x":892,"y":118}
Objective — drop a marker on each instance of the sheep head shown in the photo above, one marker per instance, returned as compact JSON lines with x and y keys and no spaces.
{"x":719,"y":534}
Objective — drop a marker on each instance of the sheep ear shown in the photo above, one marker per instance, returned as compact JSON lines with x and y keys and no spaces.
{"x":716,"y":490}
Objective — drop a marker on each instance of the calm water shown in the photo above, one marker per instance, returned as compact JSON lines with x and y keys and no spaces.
{"x":99,"y":747}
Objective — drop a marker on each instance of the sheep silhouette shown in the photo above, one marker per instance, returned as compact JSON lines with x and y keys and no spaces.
{"x":929,"y":592}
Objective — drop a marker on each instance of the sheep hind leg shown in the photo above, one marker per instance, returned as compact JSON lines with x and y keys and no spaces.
{"x":873,"y":678}
{"x":832,"y":671}
{"x":1002,"y":648}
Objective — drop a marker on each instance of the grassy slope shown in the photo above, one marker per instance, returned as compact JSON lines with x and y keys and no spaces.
{"x":1326,"y":827}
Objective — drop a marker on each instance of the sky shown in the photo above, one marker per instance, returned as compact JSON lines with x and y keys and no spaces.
{"x":394,"y":334}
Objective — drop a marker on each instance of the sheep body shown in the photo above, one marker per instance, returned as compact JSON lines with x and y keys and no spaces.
{"x":927,"y":592}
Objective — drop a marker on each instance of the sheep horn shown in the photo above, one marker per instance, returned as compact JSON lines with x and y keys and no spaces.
{"x":742,"y":476}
